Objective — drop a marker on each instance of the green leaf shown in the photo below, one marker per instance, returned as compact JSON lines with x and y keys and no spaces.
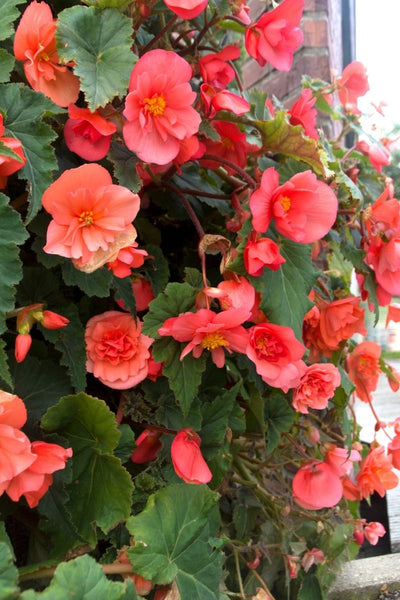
{"x":93,"y":284}
{"x":216,"y":416}
{"x":101,"y":488}
{"x":99,"y":43}
{"x":12,"y":233}
{"x":285,"y":292}
{"x":311,"y":588}
{"x":123,"y":291}
{"x":176,"y":299}
{"x":184,"y":375}
{"x":171,"y":540}
{"x":6,"y":151}
{"x":82,"y":579}
{"x":157,"y":269}
{"x":25,"y":110}
{"x":70,"y":341}
{"x":7,"y":62}
{"x":5,"y":374}
{"x":279,"y":417}
{"x":124,"y":162}
{"x":126,"y":443}
{"x":108,"y":3}
{"x":8,"y":574}
{"x":8,"y":14}
{"x":279,"y":137}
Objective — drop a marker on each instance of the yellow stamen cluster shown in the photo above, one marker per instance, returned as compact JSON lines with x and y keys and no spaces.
{"x":86,"y":217}
{"x":155,"y":106}
{"x":214,"y":340}
{"x":285,"y":203}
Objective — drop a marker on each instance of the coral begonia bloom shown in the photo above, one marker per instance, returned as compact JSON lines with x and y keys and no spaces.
{"x":187,"y":458}
{"x":238,"y":293}
{"x":352,"y":85}
{"x":215,"y":68}
{"x":340,"y":460}
{"x":87,"y":133}
{"x":393,"y":314}
{"x":302,"y":113}
{"x":276,"y":35}
{"x":35,"y":45}
{"x":142,"y":292}
{"x":222,"y":100}
{"x":88,"y":213}
{"x":147,"y":446}
{"x":15,"y":454}
{"x":186,"y":9}
{"x":375,"y":474}
{"x":316,"y":486}
{"x":262,"y":253}
{"x":378,"y":156}
{"x":12,"y":410}
{"x":117,"y":351}
{"x":158,"y":107}
{"x":384,"y":258}
{"x":304,"y":208}
{"x":276,"y":354}
{"x":316,"y":387}
{"x":394,"y":451}
{"x":8,"y":164}
{"x":373,"y":531}
{"x":363,"y":369}
{"x":128,"y":258}
{"x":207,"y":330}
{"x":34,"y":482}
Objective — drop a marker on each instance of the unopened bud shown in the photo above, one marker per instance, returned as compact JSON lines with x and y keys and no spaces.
{"x":22,"y":344}
{"x":358,"y":537}
{"x":52,"y":320}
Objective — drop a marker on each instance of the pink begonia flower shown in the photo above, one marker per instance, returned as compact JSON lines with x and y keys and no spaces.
{"x":316,"y":387}
{"x":238,"y":293}
{"x":276,"y":354}
{"x":158,"y":107}
{"x":12,"y":410}
{"x":215,"y":101}
{"x":276,"y":35}
{"x":215,"y":68}
{"x":8,"y":164}
{"x":378,"y":155}
{"x":394,"y":451}
{"x":143,"y":294}
{"x":363,"y":369}
{"x":186,"y":9}
{"x":302,"y":113}
{"x":128,"y":258}
{"x":147,"y":446}
{"x":316,"y":486}
{"x":261,"y":253}
{"x":393,"y":314}
{"x":352,"y":85}
{"x":87,"y":133}
{"x":207,"y":330}
{"x":88,"y":213}
{"x":15,"y":454}
{"x":340,"y":460}
{"x":304,"y":208}
{"x":187,"y":458}
{"x":384,"y":258}
{"x":34,"y":481}
{"x":35,"y":45}
{"x":373,"y":531}
{"x":117,"y":350}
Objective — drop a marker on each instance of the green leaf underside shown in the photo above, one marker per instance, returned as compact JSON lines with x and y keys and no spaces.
{"x":99,"y":43}
{"x":103,"y":496}
{"x":25,"y":109}
{"x":172,"y":535}
{"x":8,"y":14}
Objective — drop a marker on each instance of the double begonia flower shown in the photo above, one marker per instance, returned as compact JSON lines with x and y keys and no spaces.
{"x":35,"y":45}
{"x":91,"y":216}
{"x":276,"y":35}
{"x":317,"y":385}
{"x":304,"y":208}
{"x":375,"y":475}
{"x":158,"y":109}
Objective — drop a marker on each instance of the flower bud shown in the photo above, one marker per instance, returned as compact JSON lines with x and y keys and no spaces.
{"x":358,"y":537}
{"x":22,"y":344}
{"x":52,"y":320}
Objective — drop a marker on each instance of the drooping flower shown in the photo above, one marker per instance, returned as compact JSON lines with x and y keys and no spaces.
{"x":8,"y":164}
{"x":276,"y":354}
{"x":12,"y":410}
{"x":378,"y":155}
{"x":261,"y":253}
{"x":117,"y":350}
{"x":187,"y":458}
{"x":186,"y":9}
{"x":340,"y":459}
{"x":316,"y":387}
{"x":89,"y":213}
{"x":215,"y":68}
{"x":147,"y":446}
{"x":207,"y":330}
{"x":312,"y":557}
{"x":35,"y":45}
{"x":276,"y":35}
{"x":304,"y":208}
{"x":363,"y":369}
{"x":239,"y":293}
{"x":375,"y":474}
{"x":127,"y":258}
{"x":215,"y":101}
{"x":302,"y":113}
{"x":352,"y":85}
{"x":373,"y":531}
{"x":87,"y":133}
{"x":34,"y":481}
{"x":316,"y":486}
{"x":159,"y":108}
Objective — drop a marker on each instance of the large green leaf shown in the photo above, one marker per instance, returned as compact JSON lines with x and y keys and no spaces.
{"x":8,"y":14}
{"x":8,"y":574}
{"x":280,"y":137}
{"x":172,"y":540}
{"x":93,"y":284}
{"x":7,"y":62}
{"x":24,"y":109}
{"x":124,"y":162}
{"x":157,"y":268}
{"x":177,"y":298}
{"x":279,"y":417}
{"x":101,"y":488}
{"x":99,"y":43}
{"x":12,"y":233}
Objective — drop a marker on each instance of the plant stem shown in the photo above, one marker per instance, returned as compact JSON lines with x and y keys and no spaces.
{"x":48,"y":572}
{"x":159,"y":34}
{"x":227,"y":163}
{"x":238,"y":574}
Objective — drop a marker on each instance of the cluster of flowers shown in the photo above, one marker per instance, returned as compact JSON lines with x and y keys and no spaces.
{"x":26,"y":467}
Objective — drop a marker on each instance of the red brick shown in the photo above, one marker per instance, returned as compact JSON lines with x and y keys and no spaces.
{"x":315,"y":32}
{"x":316,"y":5}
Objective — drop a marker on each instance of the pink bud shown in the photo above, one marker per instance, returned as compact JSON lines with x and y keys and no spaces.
{"x":22,"y":344}
{"x":254,"y":563}
{"x":358,"y":537}
{"x":52,"y":320}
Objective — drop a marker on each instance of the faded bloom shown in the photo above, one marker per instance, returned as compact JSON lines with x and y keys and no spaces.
{"x":187,"y":458}
{"x":117,"y":351}
{"x":158,"y":107}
